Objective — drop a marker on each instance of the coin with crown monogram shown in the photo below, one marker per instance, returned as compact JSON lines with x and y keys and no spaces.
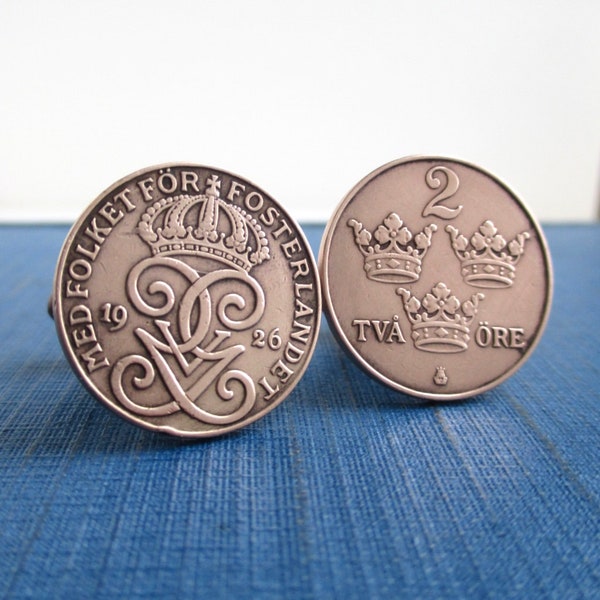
{"x":187,"y":300}
{"x":436,"y":278}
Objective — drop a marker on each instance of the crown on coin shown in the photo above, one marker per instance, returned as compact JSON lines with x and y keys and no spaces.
{"x":204,"y":225}
{"x":487,"y":261}
{"x":440,"y":323}
{"x":396,"y":255}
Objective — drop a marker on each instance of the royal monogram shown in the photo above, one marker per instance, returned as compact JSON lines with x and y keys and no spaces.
{"x":198,"y":355}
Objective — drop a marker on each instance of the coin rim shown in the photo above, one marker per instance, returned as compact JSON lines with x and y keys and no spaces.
{"x":333,"y":320}
{"x":57,"y":304}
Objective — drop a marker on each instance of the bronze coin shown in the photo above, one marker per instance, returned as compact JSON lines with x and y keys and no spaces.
{"x":187,"y":300}
{"x":436,"y":279}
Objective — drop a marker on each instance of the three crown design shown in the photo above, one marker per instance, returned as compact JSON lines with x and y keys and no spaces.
{"x":488,"y":261}
{"x":204,"y":225}
{"x":440,"y":322}
{"x":396,"y":255}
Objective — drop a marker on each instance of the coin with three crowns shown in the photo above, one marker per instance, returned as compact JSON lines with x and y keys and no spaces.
{"x":187,"y":300}
{"x":436,"y":278}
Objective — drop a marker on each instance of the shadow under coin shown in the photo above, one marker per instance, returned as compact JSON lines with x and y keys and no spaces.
{"x":65,"y":419}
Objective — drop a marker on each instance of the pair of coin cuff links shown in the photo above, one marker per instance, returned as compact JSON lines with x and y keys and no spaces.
{"x":188,"y":301}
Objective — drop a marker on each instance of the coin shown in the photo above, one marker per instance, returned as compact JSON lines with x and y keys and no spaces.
{"x":187,"y":300}
{"x":436,"y":279}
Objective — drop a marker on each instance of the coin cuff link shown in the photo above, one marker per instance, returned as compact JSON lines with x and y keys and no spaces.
{"x":436,"y":278}
{"x":188,"y":301}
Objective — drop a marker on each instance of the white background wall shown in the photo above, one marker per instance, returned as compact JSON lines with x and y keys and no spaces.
{"x":304,"y":98}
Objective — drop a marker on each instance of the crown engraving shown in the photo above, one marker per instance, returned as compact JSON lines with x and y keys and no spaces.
{"x":204,"y":225}
{"x":396,"y":255}
{"x":488,"y":261}
{"x":440,"y":323}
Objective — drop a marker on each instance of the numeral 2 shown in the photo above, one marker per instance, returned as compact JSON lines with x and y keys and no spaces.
{"x":434,"y":206}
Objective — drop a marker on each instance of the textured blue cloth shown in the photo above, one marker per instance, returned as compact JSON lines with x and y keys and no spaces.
{"x":347,"y":490}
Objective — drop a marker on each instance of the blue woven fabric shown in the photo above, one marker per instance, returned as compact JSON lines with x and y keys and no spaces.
{"x":347,"y":490}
